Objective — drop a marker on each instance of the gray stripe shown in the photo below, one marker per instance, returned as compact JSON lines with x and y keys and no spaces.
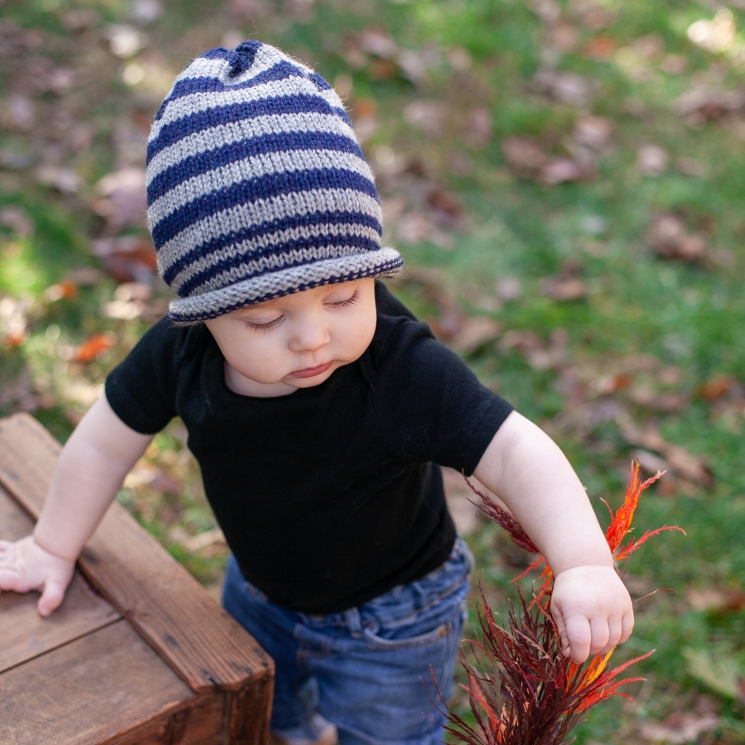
{"x":280,"y":283}
{"x":248,"y":168}
{"x":248,"y":265}
{"x":294,"y":204}
{"x":202,"y":101}
{"x":225,"y":134}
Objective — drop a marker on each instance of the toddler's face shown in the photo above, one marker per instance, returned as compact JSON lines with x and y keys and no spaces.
{"x":296,"y":341}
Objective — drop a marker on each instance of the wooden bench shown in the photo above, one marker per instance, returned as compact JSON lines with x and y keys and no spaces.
{"x":138,"y":654}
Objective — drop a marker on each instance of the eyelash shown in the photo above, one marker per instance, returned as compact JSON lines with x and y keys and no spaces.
{"x":268,"y":326}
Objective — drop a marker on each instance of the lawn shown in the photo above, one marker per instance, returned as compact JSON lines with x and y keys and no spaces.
{"x":565,"y":182}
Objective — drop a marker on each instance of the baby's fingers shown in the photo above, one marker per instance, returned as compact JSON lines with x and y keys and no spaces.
{"x":51,"y":597}
{"x":579,"y":637}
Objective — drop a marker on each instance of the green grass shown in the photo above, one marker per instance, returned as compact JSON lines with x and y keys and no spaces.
{"x":691,"y":318}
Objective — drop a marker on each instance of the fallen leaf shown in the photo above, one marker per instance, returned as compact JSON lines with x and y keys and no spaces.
{"x":64,"y":290}
{"x":524,"y":155}
{"x":204,"y":540}
{"x":667,"y":402}
{"x":14,"y":321}
{"x":93,"y":347}
{"x":719,"y":669}
{"x":652,"y":160}
{"x":716,"y":387}
{"x":538,"y":354}
{"x":691,"y":467}
{"x":678,"y":729}
{"x":593,"y":131}
{"x":63,"y":179}
{"x":83,"y":276}
{"x":446,"y":207}
{"x":565,"y":87}
{"x":691,"y":166}
{"x":716,"y":598}
{"x":466,"y":515}
{"x":127,"y":258}
{"x":18,"y":220}
{"x":122,"y":198}
{"x":650,"y":463}
{"x":674,"y":64}
{"x":670,"y":239}
{"x":702,"y":103}
{"x":428,"y":116}
{"x":567,"y":285}
{"x":473,"y":333}
{"x":378,"y":41}
{"x":509,"y":289}
{"x":600,"y":47}
{"x":479,"y":127}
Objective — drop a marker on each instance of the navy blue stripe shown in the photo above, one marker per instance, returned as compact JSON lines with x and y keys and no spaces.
{"x":281,"y":71}
{"x":276,"y":142}
{"x":250,"y":190}
{"x":254,"y":232}
{"x":277,"y":250}
{"x":220,"y":310}
{"x":296,"y":104}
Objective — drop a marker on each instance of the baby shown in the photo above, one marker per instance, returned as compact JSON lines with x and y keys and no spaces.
{"x":319,"y":410}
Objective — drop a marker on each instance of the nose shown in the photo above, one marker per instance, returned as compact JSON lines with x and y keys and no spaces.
{"x":309,"y":335}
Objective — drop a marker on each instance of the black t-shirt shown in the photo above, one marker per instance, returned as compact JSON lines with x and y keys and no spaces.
{"x":328,"y":496}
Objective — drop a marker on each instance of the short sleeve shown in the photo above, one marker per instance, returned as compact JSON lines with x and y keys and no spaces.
{"x":429,"y":404}
{"x":142,"y":388}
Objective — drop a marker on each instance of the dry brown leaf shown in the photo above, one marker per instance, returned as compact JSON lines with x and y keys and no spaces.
{"x":538,"y":354}
{"x":525,"y":156}
{"x":474,"y":331}
{"x":670,"y":239}
{"x":678,"y":729}
{"x":567,"y":285}
{"x":694,"y":468}
{"x":668,"y":402}
{"x":565,"y":87}
{"x":717,"y":387}
{"x":121,"y":198}
{"x":652,"y":160}
{"x":428,"y":116}
{"x":18,"y":220}
{"x":593,"y":131}
{"x":702,"y":103}
{"x":126,"y":259}
{"x":720,"y":599}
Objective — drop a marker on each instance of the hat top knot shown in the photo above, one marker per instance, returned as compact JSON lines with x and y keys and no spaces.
{"x":242,"y":58}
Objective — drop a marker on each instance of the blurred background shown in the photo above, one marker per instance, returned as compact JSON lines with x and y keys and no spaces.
{"x":566,"y":182}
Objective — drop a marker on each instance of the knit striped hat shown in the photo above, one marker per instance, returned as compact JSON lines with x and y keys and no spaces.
{"x":256,"y":186}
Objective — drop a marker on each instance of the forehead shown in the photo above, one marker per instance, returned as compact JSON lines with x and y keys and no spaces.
{"x":296,"y":299}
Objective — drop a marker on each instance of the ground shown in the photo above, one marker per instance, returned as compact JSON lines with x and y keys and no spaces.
{"x":565,"y":183}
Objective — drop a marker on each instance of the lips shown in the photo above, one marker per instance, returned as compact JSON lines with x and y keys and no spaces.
{"x":310,"y":372}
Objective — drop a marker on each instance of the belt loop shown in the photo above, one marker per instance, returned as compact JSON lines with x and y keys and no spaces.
{"x":353,"y":620}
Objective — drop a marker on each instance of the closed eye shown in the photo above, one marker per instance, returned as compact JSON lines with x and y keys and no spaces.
{"x":263,"y":326}
{"x":349,"y":301}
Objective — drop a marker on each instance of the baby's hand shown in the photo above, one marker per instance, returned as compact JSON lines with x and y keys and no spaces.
{"x":25,"y":566}
{"x":592,"y":610}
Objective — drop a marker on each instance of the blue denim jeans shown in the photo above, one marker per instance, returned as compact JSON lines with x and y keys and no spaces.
{"x":366,"y":669}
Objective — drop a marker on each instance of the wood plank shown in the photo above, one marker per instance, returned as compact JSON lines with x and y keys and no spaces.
{"x":87,"y":691}
{"x":196,"y":725}
{"x":205,"y":646}
{"x":249,"y":712}
{"x":24,"y":633}
{"x":14,"y":522}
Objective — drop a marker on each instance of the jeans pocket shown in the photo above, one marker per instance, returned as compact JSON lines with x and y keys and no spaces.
{"x":431,"y":637}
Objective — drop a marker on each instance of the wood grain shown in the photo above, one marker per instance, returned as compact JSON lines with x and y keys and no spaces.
{"x":23,"y":632}
{"x":84,"y":692}
{"x":204,"y":645}
{"x":200,"y":724}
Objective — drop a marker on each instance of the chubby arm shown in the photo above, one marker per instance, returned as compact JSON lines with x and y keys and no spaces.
{"x":527,"y":470}
{"x":88,"y":475}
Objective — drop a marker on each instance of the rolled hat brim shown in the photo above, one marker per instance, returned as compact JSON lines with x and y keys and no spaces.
{"x":385,"y":262}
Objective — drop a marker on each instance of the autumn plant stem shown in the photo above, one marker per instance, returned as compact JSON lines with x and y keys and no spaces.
{"x":522,"y":689}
